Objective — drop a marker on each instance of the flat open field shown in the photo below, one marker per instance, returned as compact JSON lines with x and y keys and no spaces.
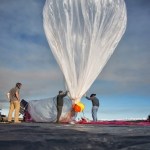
{"x":51,"y":136}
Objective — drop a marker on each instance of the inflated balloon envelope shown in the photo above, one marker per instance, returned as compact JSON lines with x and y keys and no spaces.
{"x":82,"y":35}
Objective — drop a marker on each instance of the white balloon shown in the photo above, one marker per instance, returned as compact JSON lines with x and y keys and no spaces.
{"x":82,"y":35}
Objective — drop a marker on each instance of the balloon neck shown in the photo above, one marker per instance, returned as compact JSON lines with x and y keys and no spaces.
{"x":75,"y":100}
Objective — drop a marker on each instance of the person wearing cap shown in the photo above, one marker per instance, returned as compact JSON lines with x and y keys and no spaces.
{"x":14,"y":103}
{"x":95,"y":105}
{"x":60,"y":103}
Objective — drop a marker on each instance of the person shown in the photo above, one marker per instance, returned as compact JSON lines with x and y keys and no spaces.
{"x":60,"y":102}
{"x":14,"y":103}
{"x":95,"y":105}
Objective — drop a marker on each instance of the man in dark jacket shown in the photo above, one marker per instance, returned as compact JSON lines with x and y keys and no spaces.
{"x":95,"y":105}
{"x":60,"y":103}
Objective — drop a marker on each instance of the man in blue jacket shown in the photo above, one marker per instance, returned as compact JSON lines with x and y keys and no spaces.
{"x":95,"y":105}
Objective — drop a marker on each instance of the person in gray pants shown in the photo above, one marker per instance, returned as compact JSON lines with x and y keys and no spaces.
{"x":95,"y":105}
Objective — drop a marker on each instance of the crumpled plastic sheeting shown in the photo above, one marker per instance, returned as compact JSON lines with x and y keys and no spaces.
{"x":45,"y":110}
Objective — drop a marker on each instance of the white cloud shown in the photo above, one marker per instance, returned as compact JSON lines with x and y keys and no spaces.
{"x":36,"y":83}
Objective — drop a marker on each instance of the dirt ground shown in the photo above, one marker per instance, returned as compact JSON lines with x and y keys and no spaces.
{"x":51,"y":136}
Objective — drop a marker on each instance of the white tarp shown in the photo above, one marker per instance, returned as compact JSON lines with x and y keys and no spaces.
{"x":45,"y":110}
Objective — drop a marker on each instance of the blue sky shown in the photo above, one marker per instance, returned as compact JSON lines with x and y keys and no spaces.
{"x":123,"y":85}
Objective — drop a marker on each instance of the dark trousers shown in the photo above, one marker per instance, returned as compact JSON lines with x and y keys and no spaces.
{"x":59,"y":111}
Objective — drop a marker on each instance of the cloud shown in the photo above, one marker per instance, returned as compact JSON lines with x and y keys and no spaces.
{"x":36,"y":83}
{"x":22,"y":36}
